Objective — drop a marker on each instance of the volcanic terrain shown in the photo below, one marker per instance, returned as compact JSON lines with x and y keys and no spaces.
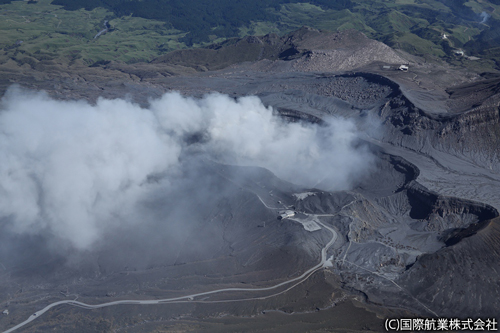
{"x":415,"y":234}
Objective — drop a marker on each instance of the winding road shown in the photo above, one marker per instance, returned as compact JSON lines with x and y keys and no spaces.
{"x":191,"y":298}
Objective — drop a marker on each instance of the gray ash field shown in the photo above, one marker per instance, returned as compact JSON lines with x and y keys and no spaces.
{"x":416,"y":233}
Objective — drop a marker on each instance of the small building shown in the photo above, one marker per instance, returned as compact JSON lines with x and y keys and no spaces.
{"x":5,"y":312}
{"x":459,"y":53}
{"x":404,"y":68}
{"x":286,"y":214}
{"x":445,"y":36}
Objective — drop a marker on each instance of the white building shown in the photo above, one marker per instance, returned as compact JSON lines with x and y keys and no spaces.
{"x":286,"y":214}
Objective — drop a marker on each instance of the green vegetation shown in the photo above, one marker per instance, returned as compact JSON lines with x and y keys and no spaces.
{"x":200,"y":18}
{"x":43,"y":31}
{"x":141,"y":30}
{"x":415,"y":26}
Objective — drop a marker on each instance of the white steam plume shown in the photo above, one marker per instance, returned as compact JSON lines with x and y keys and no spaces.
{"x":71,"y":168}
{"x":484,"y":16}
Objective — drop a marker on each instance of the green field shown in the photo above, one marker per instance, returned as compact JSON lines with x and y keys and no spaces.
{"x":37,"y":32}
{"x":40,"y":31}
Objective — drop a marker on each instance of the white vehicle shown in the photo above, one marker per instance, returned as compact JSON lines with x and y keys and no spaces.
{"x":403,"y":68}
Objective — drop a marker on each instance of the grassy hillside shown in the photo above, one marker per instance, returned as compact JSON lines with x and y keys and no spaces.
{"x":34,"y":31}
{"x":42,"y":31}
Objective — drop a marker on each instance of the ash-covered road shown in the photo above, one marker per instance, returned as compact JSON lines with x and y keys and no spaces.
{"x":191,"y":298}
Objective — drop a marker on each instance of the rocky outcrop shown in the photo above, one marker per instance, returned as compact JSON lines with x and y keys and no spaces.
{"x":472,"y":135}
{"x":308,"y":49}
{"x":342,"y":51}
{"x":461,"y":279}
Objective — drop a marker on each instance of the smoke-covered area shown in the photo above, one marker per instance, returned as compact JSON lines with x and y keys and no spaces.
{"x":77,"y":171}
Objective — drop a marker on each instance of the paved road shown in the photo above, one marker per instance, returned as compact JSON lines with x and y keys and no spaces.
{"x":191,"y":298}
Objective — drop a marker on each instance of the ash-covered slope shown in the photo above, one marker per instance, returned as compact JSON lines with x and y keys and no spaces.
{"x":464,"y":274}
{"x":310,"y":50}
{"x":471,"y":135}
{"x":463,"y":144}
{"x":480,"y":94}
{"x":404,"y":231}
{"x":455,"y":155}
{"x":196,"y":233}
{"x":459,"y":156}
{"x":393,"y":234}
